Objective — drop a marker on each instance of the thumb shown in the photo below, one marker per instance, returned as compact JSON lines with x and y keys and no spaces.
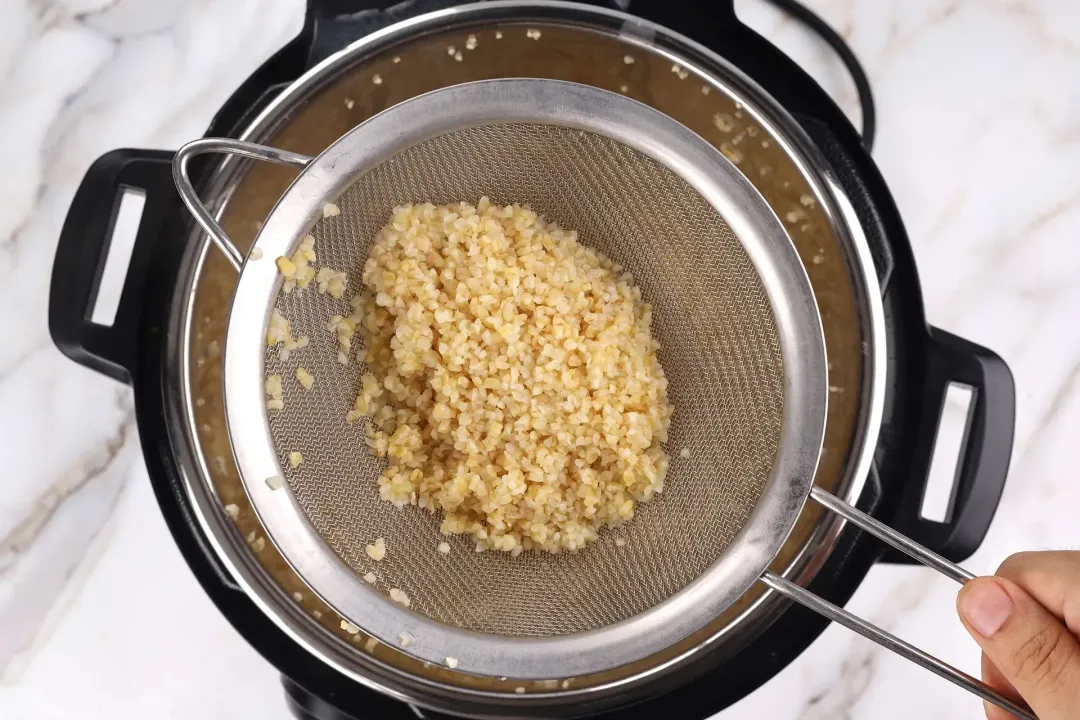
{"x":1029,"y":646}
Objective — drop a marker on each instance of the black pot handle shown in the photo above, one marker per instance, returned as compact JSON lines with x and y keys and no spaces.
{"x":984,"y":454}
{"x":82,"y":252}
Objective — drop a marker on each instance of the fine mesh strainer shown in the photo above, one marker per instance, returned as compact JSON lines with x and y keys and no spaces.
{"x":741,"y":345}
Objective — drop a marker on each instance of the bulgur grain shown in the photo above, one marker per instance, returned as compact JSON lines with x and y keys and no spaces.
{"x":274,"y":399}
{"x":297,"y":269}
{"x":331,"y":282}
{"x":513,"y":380}
{"x":377,"y":550}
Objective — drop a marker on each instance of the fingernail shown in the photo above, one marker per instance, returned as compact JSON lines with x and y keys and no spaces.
{"x":986,"y":607}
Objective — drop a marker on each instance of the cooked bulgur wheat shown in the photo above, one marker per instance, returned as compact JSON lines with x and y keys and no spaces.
{"x":280,"y":332}
{"x":377,"y":550}
{"x":274,"y":400}
{"x":305,"y":378}
{"x":297,"y":269}
{"x":331,"y":281}
{"x":513,"y":381}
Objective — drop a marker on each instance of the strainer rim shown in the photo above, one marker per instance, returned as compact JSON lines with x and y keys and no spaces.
{"x":681,"y":151}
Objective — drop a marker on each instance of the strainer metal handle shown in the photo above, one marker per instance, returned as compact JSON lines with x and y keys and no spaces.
{"x":182,"y":178}
{"x":882,"y":637}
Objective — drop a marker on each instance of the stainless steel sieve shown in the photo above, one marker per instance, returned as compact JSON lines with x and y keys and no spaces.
{"x":741,"y":344}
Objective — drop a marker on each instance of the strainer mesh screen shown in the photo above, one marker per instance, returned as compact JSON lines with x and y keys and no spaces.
{"x":719,"y":350}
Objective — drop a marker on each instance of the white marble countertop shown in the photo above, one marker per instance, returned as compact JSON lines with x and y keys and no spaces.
{"x":99,"y":615}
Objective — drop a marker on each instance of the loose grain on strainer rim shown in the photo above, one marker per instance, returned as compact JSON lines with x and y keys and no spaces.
{"x":514,"y":383}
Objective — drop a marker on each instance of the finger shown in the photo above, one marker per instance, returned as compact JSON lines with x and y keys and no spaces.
{"x":1032,"y":648}
{"x":993,"y":677}
{"x":1052,"y":578}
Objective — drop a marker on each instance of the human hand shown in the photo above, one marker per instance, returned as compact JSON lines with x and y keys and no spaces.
{"x":1026,"y":619}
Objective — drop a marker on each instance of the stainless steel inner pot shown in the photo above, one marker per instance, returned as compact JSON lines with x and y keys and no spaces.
{"x":582,"y":45}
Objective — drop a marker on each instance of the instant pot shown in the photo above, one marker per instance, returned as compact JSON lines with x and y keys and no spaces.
{"x":694,"y":61}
